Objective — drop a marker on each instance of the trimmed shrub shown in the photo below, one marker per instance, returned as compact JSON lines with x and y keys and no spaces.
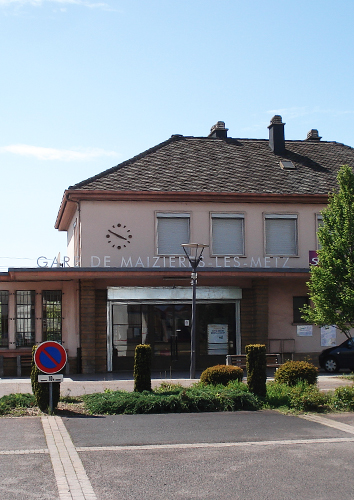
{"x":292,"y":372}
{"x":198,"y":398}
{"x":221,"y":374}
{"x":142,"y":368}
{"x":256,"y":365}
{"x":41,"y":390}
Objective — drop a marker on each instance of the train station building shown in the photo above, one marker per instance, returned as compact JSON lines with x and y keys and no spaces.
{"x":125,"y":279}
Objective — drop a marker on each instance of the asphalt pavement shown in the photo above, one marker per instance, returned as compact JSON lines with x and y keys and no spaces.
{"x":210,"y":456}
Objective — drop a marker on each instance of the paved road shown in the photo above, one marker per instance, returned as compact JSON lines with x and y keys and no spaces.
{"x":209,"y":456}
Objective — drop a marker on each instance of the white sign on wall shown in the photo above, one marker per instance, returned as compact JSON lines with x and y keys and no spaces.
{"x":328,"y":336}
{"x":218,"y":336}
{"x":304,"y":330}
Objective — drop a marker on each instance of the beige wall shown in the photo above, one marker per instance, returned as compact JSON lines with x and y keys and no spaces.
{"x":139,"y":217}
{"x":281,"y":293}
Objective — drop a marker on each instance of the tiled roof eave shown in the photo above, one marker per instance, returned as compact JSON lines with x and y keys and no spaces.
{"x":199,"y":196}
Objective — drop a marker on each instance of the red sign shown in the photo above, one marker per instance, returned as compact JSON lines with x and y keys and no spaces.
{"x":50,"y":357}
{"x":313,"y":258}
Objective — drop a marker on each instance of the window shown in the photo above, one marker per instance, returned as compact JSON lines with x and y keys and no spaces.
{"x":4,"y":318}
{"x":25,"y":318}
{"x":227,"y":234}
{"x":280,"y":234}
{"x":172,"y":231}
{"x":299,"y":303}
{"x":319,"y":223}
{"x":51,"y":315}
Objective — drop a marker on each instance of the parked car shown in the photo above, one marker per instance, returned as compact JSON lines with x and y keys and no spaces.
{"x":338,"y":357}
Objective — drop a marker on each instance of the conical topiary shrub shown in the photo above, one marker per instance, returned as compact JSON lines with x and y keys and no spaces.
{"x":256,"y":366}
{"x":142,"y":368}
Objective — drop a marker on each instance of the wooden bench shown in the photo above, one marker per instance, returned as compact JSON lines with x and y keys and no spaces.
{"x":23,"y":360}
{"x":273,"y":360}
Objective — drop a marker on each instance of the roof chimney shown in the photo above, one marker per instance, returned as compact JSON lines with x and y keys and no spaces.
{"x":218,"y":131}
{"x":313,"y":135}
{"x":276,"y":135}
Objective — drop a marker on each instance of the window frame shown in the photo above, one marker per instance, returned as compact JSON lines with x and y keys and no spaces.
{"x":4,"y":318}
{"x":319,"y":223}
{"x":297,"y":320}
{"x":227,"y":215}
{"x":29,"y":319}
{"x":56,"y":334}
{"x":171,"y":215}
{"x":278,"y":216}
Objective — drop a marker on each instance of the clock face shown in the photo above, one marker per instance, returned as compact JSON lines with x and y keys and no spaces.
{"x":118,"y":236}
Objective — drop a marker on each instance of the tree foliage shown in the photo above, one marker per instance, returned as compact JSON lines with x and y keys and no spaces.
{"x":331,"y":285}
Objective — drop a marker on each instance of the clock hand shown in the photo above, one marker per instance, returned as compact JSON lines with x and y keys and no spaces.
{"x":118,"y":235}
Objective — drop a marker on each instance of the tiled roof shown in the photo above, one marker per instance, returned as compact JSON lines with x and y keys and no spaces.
{"x":211,"y":165}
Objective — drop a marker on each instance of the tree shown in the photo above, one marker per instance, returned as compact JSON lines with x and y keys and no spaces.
{"x":331,"y":285}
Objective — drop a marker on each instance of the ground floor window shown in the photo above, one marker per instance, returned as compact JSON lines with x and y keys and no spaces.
{"x":25,"y":318}
{"x":298,"y":304}
{"x":52,"y":315}
{"x":4,"y":318}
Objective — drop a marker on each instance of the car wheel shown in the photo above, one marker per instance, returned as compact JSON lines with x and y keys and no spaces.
{"x":331,"y":365}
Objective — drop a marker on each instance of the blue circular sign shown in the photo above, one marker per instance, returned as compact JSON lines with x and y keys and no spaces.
{"x":50,"y":357}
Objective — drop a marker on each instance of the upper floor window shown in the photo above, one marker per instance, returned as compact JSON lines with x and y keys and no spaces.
{"x":51,"y":315}
{"x":25,"y":318}
{"x":281,"y":234}
{"x":172,"y":231}
{"x":227,"y":234}
{"x":319,"y":223}
{"x":4,"y":318}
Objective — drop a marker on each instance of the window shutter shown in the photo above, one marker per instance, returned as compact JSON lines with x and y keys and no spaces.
{"x":171,"y":233}
{"x":281,"y":235}
{"x":227,"y":235}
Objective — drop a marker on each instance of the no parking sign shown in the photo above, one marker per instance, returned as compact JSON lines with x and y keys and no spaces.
{"x":50,"y":357}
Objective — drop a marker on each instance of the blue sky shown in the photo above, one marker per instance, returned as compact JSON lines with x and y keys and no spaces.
{"x":87,"y":84}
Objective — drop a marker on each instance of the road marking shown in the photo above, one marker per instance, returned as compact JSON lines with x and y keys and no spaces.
{"x":330,"y":423}
{"x":23,"y":452}
{"x":286,"y":442}
{"x":72,"y":480}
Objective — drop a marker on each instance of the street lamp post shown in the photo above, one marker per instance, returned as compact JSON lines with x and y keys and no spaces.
{"x":194,"y":252}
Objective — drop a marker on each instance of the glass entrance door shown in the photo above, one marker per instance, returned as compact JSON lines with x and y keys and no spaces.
{"x":166,"y":327}
{"x":171,"y":335}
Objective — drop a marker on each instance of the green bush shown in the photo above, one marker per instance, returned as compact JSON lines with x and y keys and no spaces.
{"x":142,"y":368}
{"x":292,"y":372}
{"x":256,"y":365}
{"x":221,"y":374}
{"x":41,"y":390}
{"x":198,"y":398}
{"x":306,"y":397}
{"x":299,"y":397}
{"x":12,"y":401}
{"x":343,"y":398}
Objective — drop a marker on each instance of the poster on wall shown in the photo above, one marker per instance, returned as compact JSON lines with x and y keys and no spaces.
{"x":304,"y":330}
{"x":218,"y":339}
{"x":328,"y":336}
